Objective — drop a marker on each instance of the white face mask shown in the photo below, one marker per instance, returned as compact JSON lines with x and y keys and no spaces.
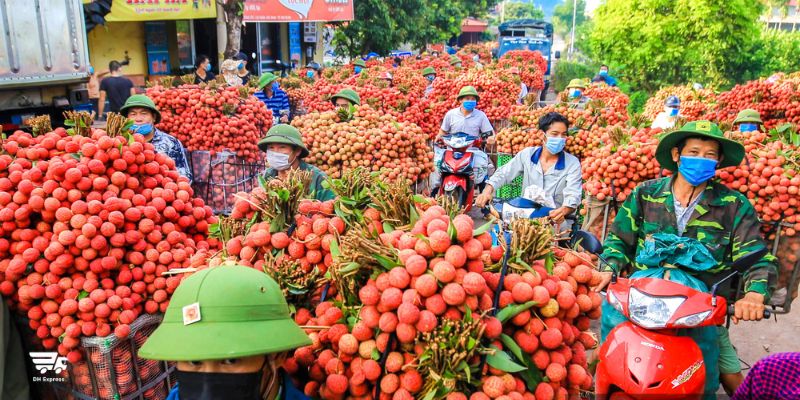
{"x":278,"y":161}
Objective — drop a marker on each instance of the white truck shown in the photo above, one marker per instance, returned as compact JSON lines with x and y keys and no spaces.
{"x":44,"y":58}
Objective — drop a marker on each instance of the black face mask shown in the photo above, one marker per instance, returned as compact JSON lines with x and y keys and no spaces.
{"x":215,"y":386}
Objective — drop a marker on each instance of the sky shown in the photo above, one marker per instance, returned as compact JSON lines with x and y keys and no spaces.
{"x":549,"y":5}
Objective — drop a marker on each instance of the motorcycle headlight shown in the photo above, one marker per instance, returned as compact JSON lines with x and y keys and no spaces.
{"x":650,"y":311}
{"x":693,"y":320}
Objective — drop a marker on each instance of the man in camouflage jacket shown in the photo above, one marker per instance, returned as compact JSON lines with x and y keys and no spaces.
{"x":691,"y":205}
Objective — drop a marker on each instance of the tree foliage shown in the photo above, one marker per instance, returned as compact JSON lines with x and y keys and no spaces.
{"x":562,"y":17}
{"x":517,"y":10}
{"x":779,"y":51}
{"x":663,"y":42}
{"x":382,"y":25}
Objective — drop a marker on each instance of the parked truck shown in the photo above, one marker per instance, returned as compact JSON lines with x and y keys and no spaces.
{"x":528,"y":34}
{"x":44,"y":59}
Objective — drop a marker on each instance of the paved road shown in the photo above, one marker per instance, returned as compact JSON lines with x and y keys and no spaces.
{"x":754,"y":340}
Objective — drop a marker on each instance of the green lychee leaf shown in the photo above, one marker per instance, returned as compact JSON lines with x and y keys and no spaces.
{"x":482,"y":229}
{"x":511,"y":311}
{"x":501,"y":360}
{"x":335,"y":253}
{"x":512,"y":346}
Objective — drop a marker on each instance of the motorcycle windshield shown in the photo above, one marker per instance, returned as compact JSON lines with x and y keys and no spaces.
{"x":459,"y":140}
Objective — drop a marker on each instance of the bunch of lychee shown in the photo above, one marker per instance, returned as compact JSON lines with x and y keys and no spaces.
{"x":442,"y":273}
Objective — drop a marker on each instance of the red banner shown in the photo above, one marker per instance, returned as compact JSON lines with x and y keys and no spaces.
{"x":298,"y":10}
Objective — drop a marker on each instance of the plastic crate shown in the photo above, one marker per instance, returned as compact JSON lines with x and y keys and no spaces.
{"x":513,"y":189}
{"x":219,"y":177}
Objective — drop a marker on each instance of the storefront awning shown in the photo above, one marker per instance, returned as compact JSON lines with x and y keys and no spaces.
{"x":297,"y":10}
{"x":143,"y":10}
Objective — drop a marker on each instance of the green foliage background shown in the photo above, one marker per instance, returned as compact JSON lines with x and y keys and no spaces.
{"x":382,"y":25}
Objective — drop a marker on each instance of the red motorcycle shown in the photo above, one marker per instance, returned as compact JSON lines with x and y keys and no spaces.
{"x":457,"y":168}
{"x":644,"y":358}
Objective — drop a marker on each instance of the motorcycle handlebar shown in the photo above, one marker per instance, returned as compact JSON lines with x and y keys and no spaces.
{"x":732,"y":311}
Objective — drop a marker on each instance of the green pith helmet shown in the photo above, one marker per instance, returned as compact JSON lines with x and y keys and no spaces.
{"x":428,"y":71}
{"x":454,"y":60}
{"x":225,"y":312}
{"x":349,"y":95}
{"x":748,"y":116}
{"x":266,"y":79}
{"x":141,"y":101}
{"x":576,"y":83}
{"x":732,"y":151}
{"x":468,"y":91}
{"x":359,"y":62}
{"x":284,"y":134}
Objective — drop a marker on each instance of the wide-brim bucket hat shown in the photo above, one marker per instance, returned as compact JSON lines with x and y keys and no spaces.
{"x":732,"y":151}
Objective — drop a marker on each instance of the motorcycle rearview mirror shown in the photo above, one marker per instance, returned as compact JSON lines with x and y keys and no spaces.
{"x":588,"y":241}
{"x":741,"y":264}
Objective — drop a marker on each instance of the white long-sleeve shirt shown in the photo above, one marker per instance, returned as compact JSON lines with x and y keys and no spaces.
{"x":664,"y":121}
{"x":562,"y":180}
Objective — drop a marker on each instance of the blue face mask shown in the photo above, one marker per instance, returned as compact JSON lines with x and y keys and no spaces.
{"x":208,"y":67}
{"x":673,"y":112}
{"x":91,"y":70}
{"x":240,"y":66}
{"x":143,"y":129}
{"x":575,"y":93}
{"x":357,"y":69}
{"x":555,"y":144}
{"x":275,"y":86}
{"x":697,"y":170}
{"x":469,"y":105}
{"x":748,"y":127}
{"x":603,"y":73}
{"x":430,"y":78}
{"x":309,"y":74}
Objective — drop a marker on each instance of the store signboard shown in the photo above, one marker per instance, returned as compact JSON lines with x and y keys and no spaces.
{"x":298,"y":10}
{"x":148,"y":10}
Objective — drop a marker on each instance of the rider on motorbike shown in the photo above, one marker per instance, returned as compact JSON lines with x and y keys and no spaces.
{"x":551,"y":168}
{"x":467,"y":119}
{"x":690,"y":204}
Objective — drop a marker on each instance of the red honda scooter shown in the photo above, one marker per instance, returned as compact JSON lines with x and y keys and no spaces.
{"x":643,"y":358}
{"x":457,"y":168}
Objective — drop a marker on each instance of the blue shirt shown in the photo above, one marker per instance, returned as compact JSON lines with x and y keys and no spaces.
{"x":172,"y":148}
{"x":610,"y":80}
{"x":279,"y":101}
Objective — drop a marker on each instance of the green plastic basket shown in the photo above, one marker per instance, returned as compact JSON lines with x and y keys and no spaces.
{"x":513,"y":189}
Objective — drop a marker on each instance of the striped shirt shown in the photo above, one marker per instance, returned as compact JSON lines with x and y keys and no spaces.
{"x":279,"y":101}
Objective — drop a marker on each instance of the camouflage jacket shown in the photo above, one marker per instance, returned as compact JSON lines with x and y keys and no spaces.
{"x":724,"y":221}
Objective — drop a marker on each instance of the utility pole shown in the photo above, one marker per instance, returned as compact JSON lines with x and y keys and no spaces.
{"x":572,"y":39}
{"x":503,"y":11}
